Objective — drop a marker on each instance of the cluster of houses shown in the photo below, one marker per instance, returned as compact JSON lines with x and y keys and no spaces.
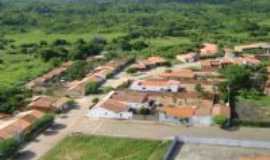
{"x":42,"y":80}
{"x":19,"y":125}
{"x":149,"y":63}
{"x":165,"y":96}
{"x":16,"y":126}
{"x":98,"y":76}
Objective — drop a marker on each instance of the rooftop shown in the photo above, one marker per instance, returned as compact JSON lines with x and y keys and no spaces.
{"x":179,"y":111}
{"x":129,"y":96}
{"x":114,"y":105}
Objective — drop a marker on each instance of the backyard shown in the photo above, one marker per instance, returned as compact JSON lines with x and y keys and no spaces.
{"x":81,"y":147}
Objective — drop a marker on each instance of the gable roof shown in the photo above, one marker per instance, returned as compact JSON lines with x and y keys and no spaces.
{"x":129,"y":96}
{"x":115,"y":106}
{"x":18,"y":126}
{"x":182,"y":73}
{"x":43,"y":102}
{"x":180,"y":111}
{"x":209,"y":48}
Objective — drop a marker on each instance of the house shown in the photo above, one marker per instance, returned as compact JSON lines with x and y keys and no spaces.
{"x":203,"y":113}
{"x":156,"y":85}
{"x":221,"y":110}
{"x":182,"y":74}
{"x":208,"y":49}
{"x":229,"y":54}
{"x":210,"y":65}
{"x":149,"y":63}
{"x":176,"y":115}
{"x":43,"y":103}
{"x":40,"y":81}
{"x":134,"y":100}
{"x":14,"y":129}
{"x":154,"y":61}
{"x":111,"y":108}
{"x":31,"y":116}
{"x":188,"y":58}
{"x":241,"y":48}
{"x":99,"y":76}
{"x":62,"y":104}
{"x":20,"y":125}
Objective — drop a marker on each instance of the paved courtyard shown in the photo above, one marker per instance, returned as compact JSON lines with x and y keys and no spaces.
{"x":207,"y":152}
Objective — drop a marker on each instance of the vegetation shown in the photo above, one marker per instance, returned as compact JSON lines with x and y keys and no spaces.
{"x":41,"y":123}
{"x":8,"y":148}
{"x":220,"y":120}
{"x":241,"y":81}
{"x":92,"y":88}
{"x":107,"y":148}
{"x":12,"y":99}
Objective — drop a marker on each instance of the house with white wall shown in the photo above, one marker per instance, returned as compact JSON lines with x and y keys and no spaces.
{"x":156,"y":85}
{"x":134,"y":100}
{"x":111,"y":109}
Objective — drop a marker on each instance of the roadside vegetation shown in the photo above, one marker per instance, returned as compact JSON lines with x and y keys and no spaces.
{"x":107,"y":148}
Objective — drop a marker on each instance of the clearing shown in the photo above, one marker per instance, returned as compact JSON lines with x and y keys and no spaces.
{"x":106,"y":148}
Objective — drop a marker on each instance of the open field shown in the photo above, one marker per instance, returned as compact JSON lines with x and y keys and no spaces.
{"x":106,"y":148}
{"x":37,"y":36}
{"x":206,"y":152}
{"x":18,"y":68}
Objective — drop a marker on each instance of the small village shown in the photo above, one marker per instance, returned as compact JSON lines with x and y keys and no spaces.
{"x":151,"y":89}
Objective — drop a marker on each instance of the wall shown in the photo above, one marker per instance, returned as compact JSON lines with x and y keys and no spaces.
{"x":98,"y":112}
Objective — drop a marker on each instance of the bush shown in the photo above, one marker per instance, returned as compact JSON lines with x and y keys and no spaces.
{"x":95,"y":100}
{"x":39,"y":124}
{"x":7,"y":148}
{"x":220,"y":120}
{"x":132,"y":70}
{"x":145,"y":111}
{"x":91,"y":88}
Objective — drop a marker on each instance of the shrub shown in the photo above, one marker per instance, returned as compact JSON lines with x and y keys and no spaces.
{"x":144,"y":111}
{"x":107,"y":89}
{"x":220,"y":120}
{"x":91,"y":88}
{"x":39,"y":124}
{"x":95,"y":100}
{"x":7,"y":148}
{"x":132,"y":70}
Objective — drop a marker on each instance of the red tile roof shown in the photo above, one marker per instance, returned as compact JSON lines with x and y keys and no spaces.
{"x":128,"y":96}
{"x":180,"y":111}
{"x":209,"y":49}
{"x":114,"y":105}
{"x":183,"y":73}
{"x":43,"y":102}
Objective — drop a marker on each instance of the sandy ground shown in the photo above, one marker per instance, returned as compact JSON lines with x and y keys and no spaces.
{"x":207,"y":152}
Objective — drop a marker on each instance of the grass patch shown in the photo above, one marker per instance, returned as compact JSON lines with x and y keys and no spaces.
{"x":19,"y":68}
{"x":106,"y":148}
{"x":36,"y":36}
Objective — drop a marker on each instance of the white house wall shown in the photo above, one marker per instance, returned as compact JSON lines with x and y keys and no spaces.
{"x":171,"y":88}
{"x":98,"y":112}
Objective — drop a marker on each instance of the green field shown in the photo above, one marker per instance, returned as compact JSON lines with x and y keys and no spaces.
{"x":19,"y":68}
{"x":37,"y":36}
{"x":106,"y":148}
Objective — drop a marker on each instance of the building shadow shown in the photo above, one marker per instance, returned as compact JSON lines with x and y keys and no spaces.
{"x":25,"y":155}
